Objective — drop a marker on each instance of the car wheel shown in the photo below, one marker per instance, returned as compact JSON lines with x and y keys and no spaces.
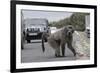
{"x":22,"y":47}
{"x":45,"y":40}
{"x":28,"y":41}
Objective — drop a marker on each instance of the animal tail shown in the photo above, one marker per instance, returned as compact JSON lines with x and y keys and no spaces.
{"x":44,"y":39}
{"x":43,"y":48}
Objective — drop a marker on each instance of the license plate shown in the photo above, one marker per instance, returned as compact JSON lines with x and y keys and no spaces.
{"x":33,"y":34}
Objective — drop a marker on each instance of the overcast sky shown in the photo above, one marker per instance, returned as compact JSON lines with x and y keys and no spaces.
{"x":50,"y":15}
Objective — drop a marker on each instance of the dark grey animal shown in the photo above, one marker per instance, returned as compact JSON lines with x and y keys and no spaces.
{"x":59,"y":39}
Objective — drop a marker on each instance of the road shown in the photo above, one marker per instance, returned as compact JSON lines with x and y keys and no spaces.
{"x":33,"y":51}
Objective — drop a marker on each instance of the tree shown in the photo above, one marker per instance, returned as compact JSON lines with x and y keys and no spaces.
{"x":76,"y":19}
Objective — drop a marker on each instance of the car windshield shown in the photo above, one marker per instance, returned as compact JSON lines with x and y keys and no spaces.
{"x":37,"y":25}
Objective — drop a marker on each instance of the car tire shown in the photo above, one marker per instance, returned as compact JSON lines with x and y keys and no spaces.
{"x":22,"y":47}
{"x":45,"y":40}
{"x":28,"y":41}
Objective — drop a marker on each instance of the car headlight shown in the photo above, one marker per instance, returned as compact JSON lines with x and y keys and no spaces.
{"x":28,"y":29}
{"x":44,"y":28}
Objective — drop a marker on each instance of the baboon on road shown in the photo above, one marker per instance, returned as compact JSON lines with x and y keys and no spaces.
{"x":59,"y":39}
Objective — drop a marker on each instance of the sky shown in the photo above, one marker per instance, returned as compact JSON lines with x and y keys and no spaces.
{"x":50,"y":15}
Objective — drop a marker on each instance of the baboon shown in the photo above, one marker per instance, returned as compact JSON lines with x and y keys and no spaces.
{"x":59,"y":39}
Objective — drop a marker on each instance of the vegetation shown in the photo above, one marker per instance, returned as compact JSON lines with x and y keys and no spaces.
{"x":76,"y":19}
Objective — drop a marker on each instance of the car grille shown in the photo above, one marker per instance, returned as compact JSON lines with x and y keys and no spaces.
{"x":33,"y":30}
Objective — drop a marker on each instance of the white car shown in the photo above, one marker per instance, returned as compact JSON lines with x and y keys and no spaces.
{"x":53,"y":29}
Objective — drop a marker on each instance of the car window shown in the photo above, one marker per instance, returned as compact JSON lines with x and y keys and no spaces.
{"x":37,"y":25}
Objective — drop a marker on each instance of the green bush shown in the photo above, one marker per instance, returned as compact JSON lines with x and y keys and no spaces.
{"x":76,"y":19}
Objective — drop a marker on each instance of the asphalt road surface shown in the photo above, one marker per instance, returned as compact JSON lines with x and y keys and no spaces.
{"x":33,"y":52}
